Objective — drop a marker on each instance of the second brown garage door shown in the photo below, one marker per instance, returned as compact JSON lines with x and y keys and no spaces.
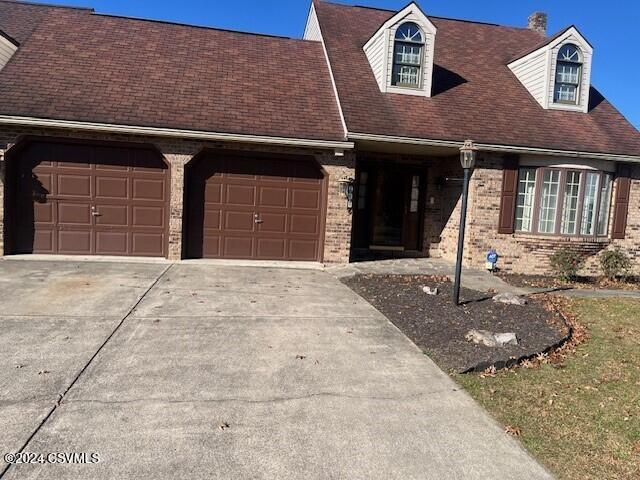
{"x":85,"y":199}
{"x":251,"y":206}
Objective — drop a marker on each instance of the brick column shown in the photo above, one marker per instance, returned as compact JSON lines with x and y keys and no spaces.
{"x":177,"y":162}
{"x":337,"y":240}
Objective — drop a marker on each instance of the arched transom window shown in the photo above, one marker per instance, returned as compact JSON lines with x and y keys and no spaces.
{"x":408,"y":54}
{"x":568,"y":75}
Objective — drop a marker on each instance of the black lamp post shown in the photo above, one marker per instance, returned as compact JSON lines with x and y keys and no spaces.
{"x":468,"y":160}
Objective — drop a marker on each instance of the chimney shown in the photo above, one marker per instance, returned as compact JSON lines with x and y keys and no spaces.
{"x":538,"y":22}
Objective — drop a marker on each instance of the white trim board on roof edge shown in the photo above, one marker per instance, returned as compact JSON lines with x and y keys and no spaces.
{"x":172,"y":133}
{"x":494,"y":147}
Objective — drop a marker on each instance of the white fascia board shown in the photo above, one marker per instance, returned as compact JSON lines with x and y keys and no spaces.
{"x":172,"y":133}
{"x":411,"y":8}
{"x":487,"y":147}
{"x":584,"y":44}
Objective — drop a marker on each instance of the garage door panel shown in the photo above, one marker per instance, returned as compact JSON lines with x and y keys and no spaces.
{"x":212,"y":219}
{"x":213,"y":193}
{"x":273,"y":197}
{"x":305,"y":224}
{"x":148,"y":244}
{"x":61,"y":184}
{"x":286,"y":193}
{"x":112,"y":187}
{"x":302,"y":249}
{"x":112,"y":215}
{"x":74,"y":241}
{"x":148,"y":189}
{"x":73,"y":214}
{"x":211,"y":246}
{"x":306,"y":199}
{"x":43,"y":213}
{"x":238,"y":221}
{"x":111,"y":243}
{"x":240,"y":195}
{"x":74,"y":185}
{"x":273,"y":223}
{"x":238,"y":247}
{"x":42,"y":184}
{"x":43,"y":240}
{"x":271,"y":248}
{"x":148,"y":217}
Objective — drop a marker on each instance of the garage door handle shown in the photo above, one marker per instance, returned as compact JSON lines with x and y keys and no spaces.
{"x":256,"y":219}
{"x":95,"y":213}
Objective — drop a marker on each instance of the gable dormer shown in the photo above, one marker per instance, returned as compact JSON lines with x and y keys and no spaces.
{"x":557,"y":73}
{"x":401,"y":53}
{"x":8,"y":47}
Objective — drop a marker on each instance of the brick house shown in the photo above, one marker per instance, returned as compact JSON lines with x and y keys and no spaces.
{"x":123,"y":136}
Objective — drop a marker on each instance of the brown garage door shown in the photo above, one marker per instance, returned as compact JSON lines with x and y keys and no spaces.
{"x":89,"y":200}
{"x":250,"y":206}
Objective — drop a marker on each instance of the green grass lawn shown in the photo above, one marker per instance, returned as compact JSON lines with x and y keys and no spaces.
{"x":580,"y":418}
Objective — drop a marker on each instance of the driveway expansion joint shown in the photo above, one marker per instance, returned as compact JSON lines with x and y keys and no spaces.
{"x":393,"y":398}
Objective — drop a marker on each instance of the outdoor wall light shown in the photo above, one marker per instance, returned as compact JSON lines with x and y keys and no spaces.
{"x":468,"y":161}
{"x":346,"y":189}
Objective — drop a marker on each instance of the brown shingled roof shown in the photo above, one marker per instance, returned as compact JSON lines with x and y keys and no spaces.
{"x":475,"y":95}
{"x":75,"y":65}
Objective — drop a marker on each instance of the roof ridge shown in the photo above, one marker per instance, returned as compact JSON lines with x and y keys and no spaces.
{"x":47,"y":5}
{"x":189,"y":25}
{"x":478,"y":22}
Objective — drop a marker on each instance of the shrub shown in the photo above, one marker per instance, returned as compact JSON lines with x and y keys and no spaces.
{"x":566,"y":263}
{"x":614,"y":263}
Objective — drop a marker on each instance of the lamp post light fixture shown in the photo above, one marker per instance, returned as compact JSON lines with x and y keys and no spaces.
{"x":467,"y":160}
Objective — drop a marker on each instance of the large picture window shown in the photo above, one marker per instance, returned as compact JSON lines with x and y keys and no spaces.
{"x":563,"y":201}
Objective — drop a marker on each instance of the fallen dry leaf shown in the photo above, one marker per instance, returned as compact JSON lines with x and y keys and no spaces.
{"x":513,"y":431}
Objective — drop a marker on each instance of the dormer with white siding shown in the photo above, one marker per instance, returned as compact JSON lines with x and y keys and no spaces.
{"x":8,"y":47}
{"x":401,"y":53}
{"x":557,"y":73}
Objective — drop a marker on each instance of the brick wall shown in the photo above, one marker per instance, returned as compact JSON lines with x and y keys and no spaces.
{"x":337,"y":240}
{"x":525,"y":253}
{"x":178,"y":153}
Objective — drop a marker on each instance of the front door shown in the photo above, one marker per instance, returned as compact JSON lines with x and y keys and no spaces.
{"x":389,"y":212}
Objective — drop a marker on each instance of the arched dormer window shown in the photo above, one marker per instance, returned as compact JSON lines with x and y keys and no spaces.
{"x":568,"y":75}
{"x":408,"y":56}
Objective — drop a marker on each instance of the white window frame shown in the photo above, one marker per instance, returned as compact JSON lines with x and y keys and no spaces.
{"x":536,"y":223}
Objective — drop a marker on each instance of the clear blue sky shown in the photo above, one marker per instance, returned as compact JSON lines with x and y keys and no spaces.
{"x":610,"y":26}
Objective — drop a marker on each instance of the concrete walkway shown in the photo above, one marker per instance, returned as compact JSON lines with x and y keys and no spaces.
{"x":473,"y":279}
{"x":201,"y":371}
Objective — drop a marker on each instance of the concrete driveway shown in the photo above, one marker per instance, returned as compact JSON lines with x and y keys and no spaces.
{"x":203,"y":371}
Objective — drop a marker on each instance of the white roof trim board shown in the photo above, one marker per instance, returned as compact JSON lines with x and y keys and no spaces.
{"x":172,"y":132}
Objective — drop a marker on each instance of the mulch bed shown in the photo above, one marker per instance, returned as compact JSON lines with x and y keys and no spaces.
{"x":438,"y":327}
{"x":540,"y":281}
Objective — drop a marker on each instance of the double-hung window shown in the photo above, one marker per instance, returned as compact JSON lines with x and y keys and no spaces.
{"x":408,"y":56}
{"x":568,"y":75}
{"x":563,"y":201}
